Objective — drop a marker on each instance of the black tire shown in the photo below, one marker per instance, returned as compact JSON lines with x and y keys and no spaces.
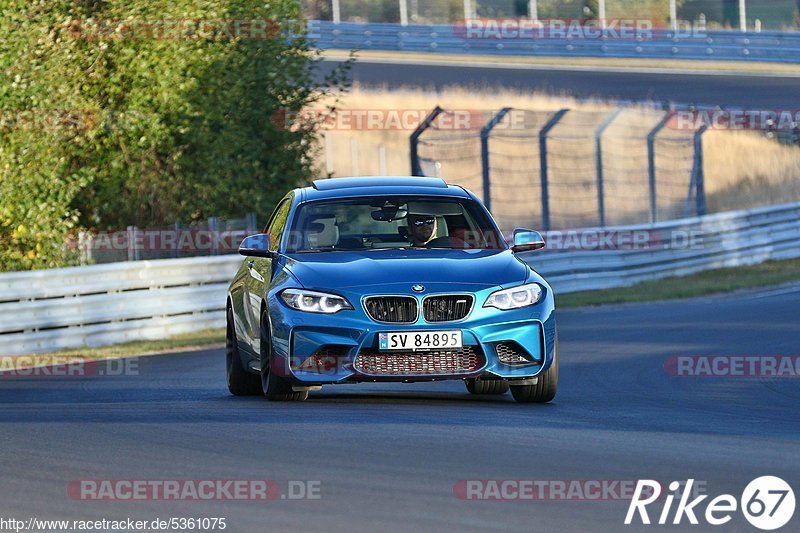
{"x":486,"y":386}
{"x":275,"y":388}
{"x":240,"y":381}
{"x":545,"y":390}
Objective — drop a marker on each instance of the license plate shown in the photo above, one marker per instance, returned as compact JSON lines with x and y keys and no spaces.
{"x":419,"y":340}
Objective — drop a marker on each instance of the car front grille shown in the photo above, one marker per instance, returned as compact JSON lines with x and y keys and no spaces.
{"x":446,"y":307}
{"x":512,"y":353}
{"x":464,"y":360}
{"x":393,"y":309}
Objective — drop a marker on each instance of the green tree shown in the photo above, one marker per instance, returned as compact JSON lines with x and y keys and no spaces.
{"x":164,"y":122}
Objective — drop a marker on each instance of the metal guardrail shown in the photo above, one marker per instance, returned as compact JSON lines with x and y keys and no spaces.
{"x":446,"y":38}
{"x":48,"y":310}
{"x":729,"y":239}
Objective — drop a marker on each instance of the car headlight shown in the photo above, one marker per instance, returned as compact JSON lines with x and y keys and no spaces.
{"x":314,"y":302}
{"x":515,"y":297}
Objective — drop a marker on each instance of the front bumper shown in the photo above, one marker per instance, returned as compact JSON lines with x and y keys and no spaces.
{"x":315,"y":349}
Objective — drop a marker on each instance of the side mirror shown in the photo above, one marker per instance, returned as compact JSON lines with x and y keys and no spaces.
{"x":256,"y":246}
{"x":526,"y":240}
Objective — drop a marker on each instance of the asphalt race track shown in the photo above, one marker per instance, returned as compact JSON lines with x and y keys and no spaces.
{"x":731,"y":90}
{"x":388,"y":456}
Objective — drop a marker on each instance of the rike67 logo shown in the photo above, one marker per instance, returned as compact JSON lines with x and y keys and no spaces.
{"x":767,"y":503}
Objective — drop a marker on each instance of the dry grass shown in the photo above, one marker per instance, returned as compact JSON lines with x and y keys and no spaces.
{"x":742,"y":169}
{"x":745,"y":169}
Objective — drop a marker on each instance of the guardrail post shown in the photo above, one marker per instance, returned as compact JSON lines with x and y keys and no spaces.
{"x":651,"y":162}
{"x":485,"y":131}
{"x":598,"y":151}
{"x":543,"y":165}
{"x":416,"y":169}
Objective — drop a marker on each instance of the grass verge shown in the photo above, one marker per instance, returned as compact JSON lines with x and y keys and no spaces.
{"x":184,"y":342}
{"x":700,"y":284}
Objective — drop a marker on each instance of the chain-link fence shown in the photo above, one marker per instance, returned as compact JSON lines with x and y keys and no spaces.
{"x":570,"y":168}
{"x":716,"y":14}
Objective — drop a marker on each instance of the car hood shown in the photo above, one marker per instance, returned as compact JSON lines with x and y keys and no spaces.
{"x":333,"y":270}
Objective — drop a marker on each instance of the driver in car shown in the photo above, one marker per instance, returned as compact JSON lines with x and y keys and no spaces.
{"x":421,"y":229}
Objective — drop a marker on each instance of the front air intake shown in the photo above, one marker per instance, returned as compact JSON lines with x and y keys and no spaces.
{"x":511,"y":353}
{"x":466,"y":360}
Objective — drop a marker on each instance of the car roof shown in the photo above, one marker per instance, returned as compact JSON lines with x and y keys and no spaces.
{"x":380,"y":186}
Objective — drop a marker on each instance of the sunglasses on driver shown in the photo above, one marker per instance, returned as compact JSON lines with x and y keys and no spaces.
{"x":424,"y":221}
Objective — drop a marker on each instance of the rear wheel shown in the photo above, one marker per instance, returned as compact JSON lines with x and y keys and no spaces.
{"x":275,"y":388}
{"x":240,"y":381}
{"x":545,"y":389}
{"x":486,"y":386}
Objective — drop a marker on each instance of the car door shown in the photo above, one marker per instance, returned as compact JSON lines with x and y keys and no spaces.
{"x":259,"y":274}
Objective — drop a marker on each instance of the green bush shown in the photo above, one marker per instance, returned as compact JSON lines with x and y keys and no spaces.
{"x":107,"y":121}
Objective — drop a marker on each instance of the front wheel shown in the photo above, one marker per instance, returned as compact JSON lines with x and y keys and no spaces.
{"x":545,"y":390}
{"x":275,"y":388}
{"x":486,"y":386}
{"x":240,"y":381}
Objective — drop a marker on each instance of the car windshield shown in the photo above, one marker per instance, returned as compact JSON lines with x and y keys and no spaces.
{"x":377,"y":223}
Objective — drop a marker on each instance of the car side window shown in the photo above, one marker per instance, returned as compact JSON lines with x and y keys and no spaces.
{"x":278,"y":223}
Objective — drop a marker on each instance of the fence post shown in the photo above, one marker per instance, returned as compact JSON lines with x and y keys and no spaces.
{"x":543,"y":165}
{"x":416,"y":169}
{"x":354,"y":157}
{"x":251,"y":223}
{"x":651,"y":162}
{"x":598,"y":151}
{"x":485,"y":131}
{"x":177,"y":243}
{"x":382,"y":159}
{"x":132,"y":252}
{"x":212,"y":231}
{"x":85,"y":247}
{"x":328,"y":153}
{"x":697,"y":171}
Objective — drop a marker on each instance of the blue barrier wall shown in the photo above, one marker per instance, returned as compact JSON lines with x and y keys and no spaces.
{"x":451,"y":39}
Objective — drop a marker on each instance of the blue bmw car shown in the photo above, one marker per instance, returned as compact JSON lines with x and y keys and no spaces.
{"x":397,"y":279}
